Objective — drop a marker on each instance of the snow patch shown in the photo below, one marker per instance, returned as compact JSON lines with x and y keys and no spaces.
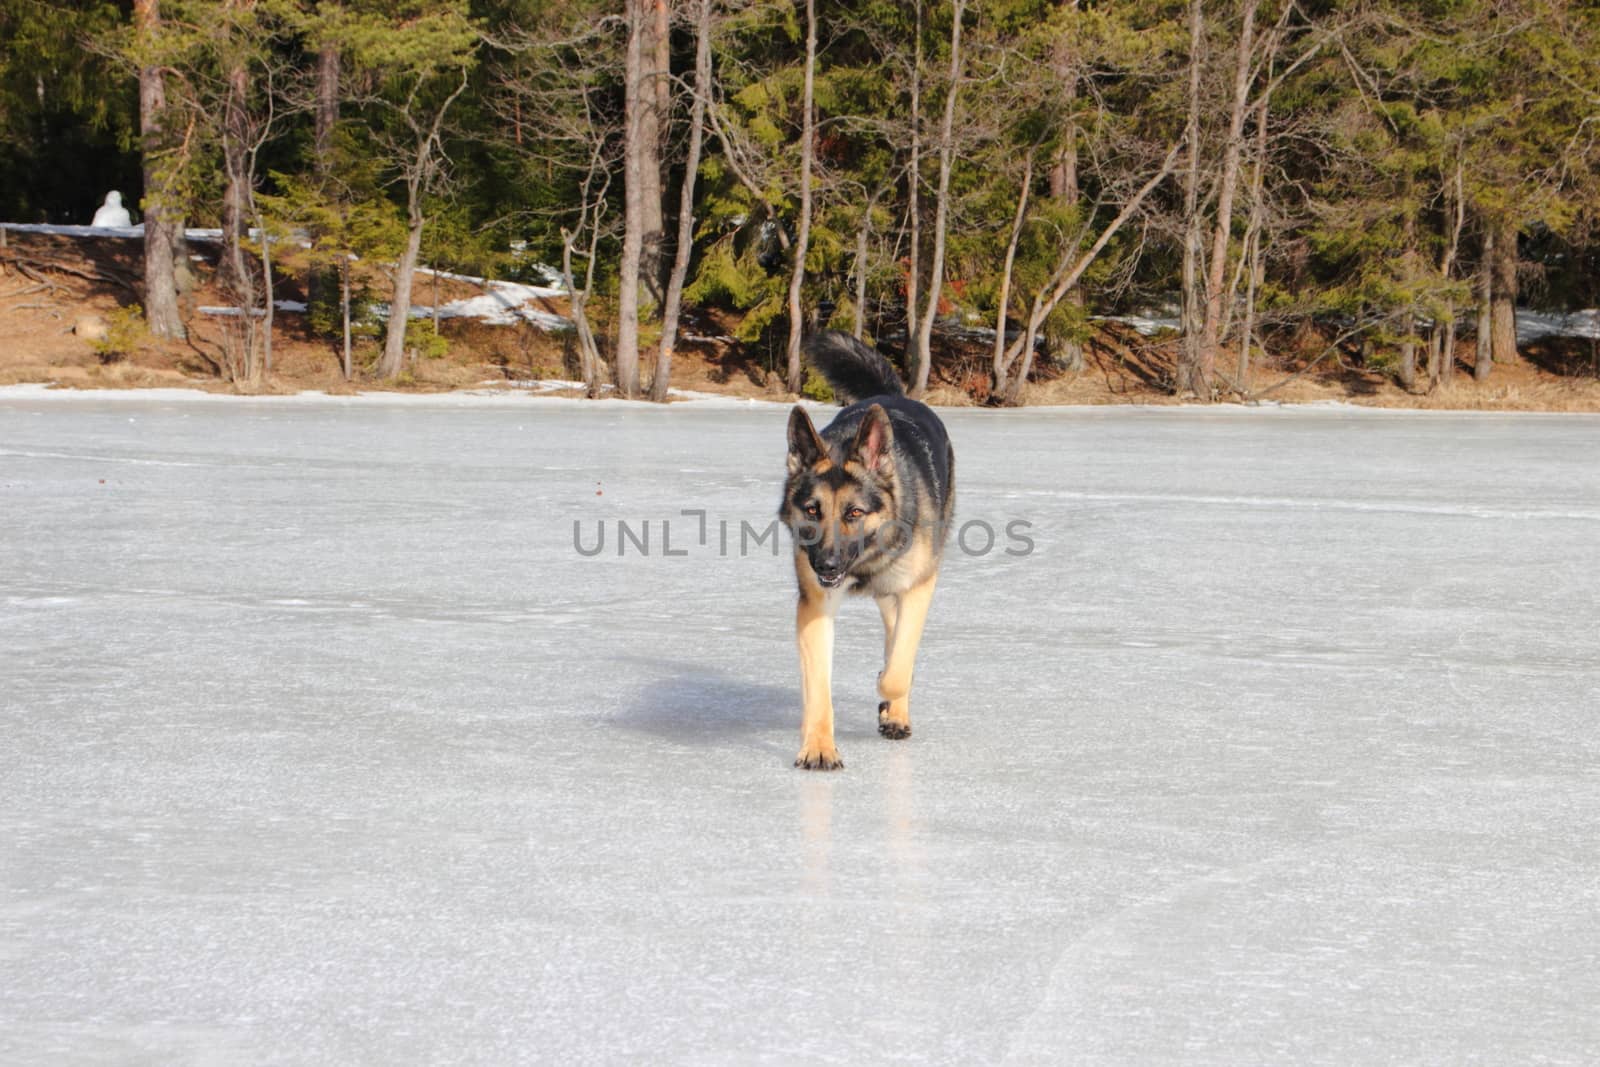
{"x":1535,"y":325}
{"x":1143,"y":325}
{"x":196,"y":233}
{"x":295,"y":306}
{"x":506,"y":304}
{"x":554,"y":289}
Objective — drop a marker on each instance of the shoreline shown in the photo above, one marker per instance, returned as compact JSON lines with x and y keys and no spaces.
{"x":514,"y":394}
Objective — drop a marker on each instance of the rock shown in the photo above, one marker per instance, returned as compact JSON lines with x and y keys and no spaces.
{"x":91,"y":328}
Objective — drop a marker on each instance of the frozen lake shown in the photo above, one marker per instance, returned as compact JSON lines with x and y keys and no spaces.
{"x":320,"y":743}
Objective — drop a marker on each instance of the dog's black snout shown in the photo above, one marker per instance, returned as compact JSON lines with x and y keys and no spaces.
{"x":829,"y":567}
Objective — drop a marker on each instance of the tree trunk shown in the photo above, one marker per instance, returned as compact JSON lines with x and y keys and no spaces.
{"x":1447,"y":349}
{"x":634,"y":194}
{"x":941,"y":208}
{"x":236,"y":275}
{"x":1004,"y":299}
{"x":1485,"y":356}
{"x":268,"y":307}
{"x":1191,"y":378}
{"x":1503,"y":293}
{"x":655,"y":116}
{"x":327,"y":106}
{"x":344,"y":311}
{"x":1222,"y":224}
{"x":588,"y":363}
{"x":1064,"y":189}
{"x":163,"y":221}
{"x":394,"y":338}
{"x":1252,"y":249}
{"x":326,"y":118}
{"x":1444,"y":371}
{"x":585,"y":334}
{"x":803,"y":240}
{"x":914,"y":187}
{"x":863,"y":233}
{"x":1410,"y":261}
{"x":1408,"y":354}
{"x":685,"y":242}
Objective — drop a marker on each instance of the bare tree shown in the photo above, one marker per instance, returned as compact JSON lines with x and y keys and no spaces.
{"x":423,"y":167}
{"x":691,"y":166}
{"x":240,"y":135}
{"x":562,"y":118}
{"x":1068,"y":269}
{"x":1003,"y":301}
{"x":1208,"y":293}
{"x":1252,"y":248}
{"x":596,"y":184}
{"x":655,"y":118}
{"x":635,"y":189}
{"x":1191,"y":375}
{"x":803,"y":238}
{"x":860,"y":267}
{"x":914,"y":184}
{"x":1228,"y":184}
{"x":233,"y":67}
{"x":922,"y":350}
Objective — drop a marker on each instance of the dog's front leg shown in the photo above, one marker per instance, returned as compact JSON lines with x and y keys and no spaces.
{"x":813,"y":634}
{"x":900,"y":657}
{"x":889,"y":610}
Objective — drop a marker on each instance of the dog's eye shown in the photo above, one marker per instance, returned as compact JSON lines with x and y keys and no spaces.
{"x":813,"y":512}
{"x":853,"y":514}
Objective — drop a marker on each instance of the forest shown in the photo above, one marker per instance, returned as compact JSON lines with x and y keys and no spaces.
{"x":980,"y":187}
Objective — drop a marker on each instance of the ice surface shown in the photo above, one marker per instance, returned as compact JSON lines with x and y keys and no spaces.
{"x":319,"y":743}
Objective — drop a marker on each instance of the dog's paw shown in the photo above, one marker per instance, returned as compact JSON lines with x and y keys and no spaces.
{"x":893,"y":729}
{"x":819,"y":758}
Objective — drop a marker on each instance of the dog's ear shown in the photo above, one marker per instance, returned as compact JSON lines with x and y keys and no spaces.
{"x":805,"y":447}
{"x":874,"y":447}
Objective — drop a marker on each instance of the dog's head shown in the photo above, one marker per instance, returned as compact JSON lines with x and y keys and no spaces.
{"x":838,"y":505}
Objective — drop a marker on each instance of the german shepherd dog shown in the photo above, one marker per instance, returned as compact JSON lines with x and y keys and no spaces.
{"x":868,"y":501}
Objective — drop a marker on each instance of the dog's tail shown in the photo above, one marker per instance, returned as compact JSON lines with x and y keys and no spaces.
{"x":855,"y":371}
